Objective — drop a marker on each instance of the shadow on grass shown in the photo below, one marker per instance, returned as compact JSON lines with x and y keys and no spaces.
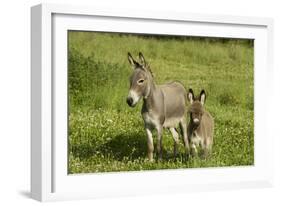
{"x":129,"y":145}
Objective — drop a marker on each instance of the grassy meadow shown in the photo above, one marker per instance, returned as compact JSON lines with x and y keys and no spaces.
{"x":106,"y":135}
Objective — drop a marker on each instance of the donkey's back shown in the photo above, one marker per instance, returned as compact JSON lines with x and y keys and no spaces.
{"x":175,"y":103}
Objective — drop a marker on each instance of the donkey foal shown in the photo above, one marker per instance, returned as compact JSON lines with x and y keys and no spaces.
{"x":201,"y":125}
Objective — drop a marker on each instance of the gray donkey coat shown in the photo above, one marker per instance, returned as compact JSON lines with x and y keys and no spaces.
{"x":201,"y":125}
{"x":164,"y":106}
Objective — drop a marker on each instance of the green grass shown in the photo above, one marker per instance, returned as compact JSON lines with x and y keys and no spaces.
{"x":107,"y":135}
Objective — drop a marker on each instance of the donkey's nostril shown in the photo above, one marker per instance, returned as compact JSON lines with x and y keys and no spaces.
{"x":130,"y":101}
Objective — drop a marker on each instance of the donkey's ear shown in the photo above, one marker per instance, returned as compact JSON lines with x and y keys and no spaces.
{"x":190,"y":95}
{"x":202,"y":97}
{"x":132,"y":61}
{"x":142,"y":59}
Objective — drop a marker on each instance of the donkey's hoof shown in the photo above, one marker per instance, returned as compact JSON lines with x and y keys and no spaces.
{"x":149,"y":160}
{"x":177,"y":157}
{"x":159,"y":159}
{"x":186,"y":157}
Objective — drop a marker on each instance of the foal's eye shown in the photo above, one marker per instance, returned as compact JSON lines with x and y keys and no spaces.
{"x":140,"y":81}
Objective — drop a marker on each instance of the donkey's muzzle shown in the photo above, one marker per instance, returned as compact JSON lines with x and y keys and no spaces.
{"x":130,"y":101}
{"x":196,"y":122}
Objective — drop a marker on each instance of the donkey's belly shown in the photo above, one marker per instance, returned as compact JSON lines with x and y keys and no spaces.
{"x":171,"y":122}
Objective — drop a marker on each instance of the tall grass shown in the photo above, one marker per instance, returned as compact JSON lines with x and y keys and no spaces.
{"x":106,"y":135}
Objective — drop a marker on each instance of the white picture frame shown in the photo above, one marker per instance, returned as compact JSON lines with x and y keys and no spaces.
{"x":49,"y":179}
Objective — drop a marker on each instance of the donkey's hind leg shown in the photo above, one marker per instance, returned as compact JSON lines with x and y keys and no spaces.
{"x":159,"y":142}
{"x":176,"y":140}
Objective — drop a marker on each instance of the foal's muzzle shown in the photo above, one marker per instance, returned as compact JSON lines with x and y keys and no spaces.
{"x":196,"y":121}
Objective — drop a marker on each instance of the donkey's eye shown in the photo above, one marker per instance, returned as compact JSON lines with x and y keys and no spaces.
{"x":140,"y":81}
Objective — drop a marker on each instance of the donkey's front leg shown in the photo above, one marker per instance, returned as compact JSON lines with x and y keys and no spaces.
{"x":159,"y":142}
{"x":183,"y":126}
{"x":150,"y":146}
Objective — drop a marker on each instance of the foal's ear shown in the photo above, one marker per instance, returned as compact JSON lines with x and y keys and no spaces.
{"x":202,"y":97}
{"x":133,"y":63}
{"x":142,"y":59}
{"x":190,"y":95}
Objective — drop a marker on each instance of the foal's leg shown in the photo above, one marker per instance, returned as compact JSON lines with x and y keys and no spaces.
{"x":176,"y":140}
{"x":207,"y":147}
{"x":193,"y":151}
{"x":159,"y":142}
{"x":150,"y":146}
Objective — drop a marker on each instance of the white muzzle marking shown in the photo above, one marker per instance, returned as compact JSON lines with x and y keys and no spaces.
{"x":196,"y":120}
{"x":134,"y":96}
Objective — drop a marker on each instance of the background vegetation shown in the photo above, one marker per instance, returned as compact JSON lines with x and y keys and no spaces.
{"x":106,"y":135}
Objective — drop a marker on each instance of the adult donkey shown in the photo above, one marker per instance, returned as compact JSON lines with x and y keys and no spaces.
{"x":164,"y":106}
